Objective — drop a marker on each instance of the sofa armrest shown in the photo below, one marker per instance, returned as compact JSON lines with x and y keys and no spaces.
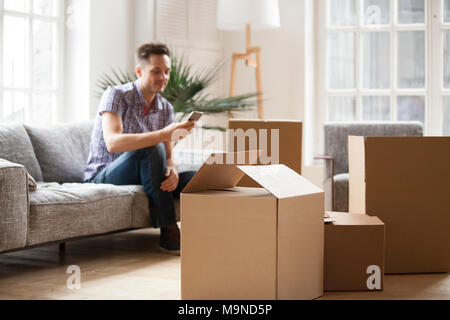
{"x":327,"y":158}
{"x":14,"y":205}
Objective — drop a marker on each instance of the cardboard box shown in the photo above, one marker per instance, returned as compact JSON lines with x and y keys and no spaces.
{"x":405,"y":181}
{"x":289,"y":147}
{"x":354,"y":253}
{"x":251,"y":243}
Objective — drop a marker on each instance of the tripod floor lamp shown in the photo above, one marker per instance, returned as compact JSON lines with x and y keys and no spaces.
{"x":240,"y":15}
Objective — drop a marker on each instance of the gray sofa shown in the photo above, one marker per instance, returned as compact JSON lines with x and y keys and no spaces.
{"x":62,"y":207}
{"x":336,"y":154}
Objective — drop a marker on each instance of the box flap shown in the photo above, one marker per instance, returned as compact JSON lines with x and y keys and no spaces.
{"x":217,"y":174}
{"x":356,"y":183}
{"x":280,"y":180}
{"x":353,"y":219}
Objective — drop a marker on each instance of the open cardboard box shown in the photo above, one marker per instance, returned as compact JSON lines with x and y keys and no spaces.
{"x":354,"y":252}
{"x":405,"y":181}
{"x":251,"y":243}
{"x":289,"y":137}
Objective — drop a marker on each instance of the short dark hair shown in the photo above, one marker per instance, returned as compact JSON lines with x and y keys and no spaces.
{"x":145,"y":51}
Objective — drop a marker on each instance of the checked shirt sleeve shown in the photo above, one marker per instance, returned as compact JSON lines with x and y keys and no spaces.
{"x":112,"y":101}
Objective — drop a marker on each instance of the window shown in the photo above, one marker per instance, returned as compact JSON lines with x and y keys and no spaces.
{"x":386,"y":60}
{"x":443,"y":57}
{"x":31,"y":40}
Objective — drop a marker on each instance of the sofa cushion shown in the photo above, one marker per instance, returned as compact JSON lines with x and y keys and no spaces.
{"x":140,"y":214}
{"x":72,"y":210}
{"x":15,"y":146}
{"x":62,"y":150}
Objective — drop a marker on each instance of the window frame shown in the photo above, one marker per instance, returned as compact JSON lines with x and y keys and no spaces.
{"x":433,"y":91}
{"x":439,"y":91}
{"x":28,"y":89}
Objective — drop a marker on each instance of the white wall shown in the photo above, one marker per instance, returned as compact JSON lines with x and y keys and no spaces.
{"x":112,"y":41}
{"x":76,"y":62}
{"x":144,"y":21}
{"x":99,"y":36}
{"x":282,"y":63}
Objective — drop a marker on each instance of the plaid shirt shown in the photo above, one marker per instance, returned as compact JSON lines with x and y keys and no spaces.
{"x":128,"y":102}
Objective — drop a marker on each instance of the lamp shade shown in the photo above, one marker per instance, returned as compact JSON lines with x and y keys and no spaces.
{"x":234,"y":15}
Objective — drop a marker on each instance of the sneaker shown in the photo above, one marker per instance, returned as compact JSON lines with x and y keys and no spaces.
{"x":169,"y":241}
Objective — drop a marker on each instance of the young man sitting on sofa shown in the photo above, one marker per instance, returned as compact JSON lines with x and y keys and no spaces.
{"x":132,"y":141}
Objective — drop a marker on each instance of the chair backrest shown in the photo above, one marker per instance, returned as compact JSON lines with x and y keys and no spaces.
{"x":336,"y":138}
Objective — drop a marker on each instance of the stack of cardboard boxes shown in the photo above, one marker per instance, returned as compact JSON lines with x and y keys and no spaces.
{"x":252,"y":231}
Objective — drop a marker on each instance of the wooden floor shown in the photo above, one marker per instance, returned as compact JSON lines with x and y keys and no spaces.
{"x":128,"y":266}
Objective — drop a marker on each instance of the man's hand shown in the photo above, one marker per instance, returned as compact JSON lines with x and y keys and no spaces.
{"x":171,"y":183}
{"x":177,"y":131}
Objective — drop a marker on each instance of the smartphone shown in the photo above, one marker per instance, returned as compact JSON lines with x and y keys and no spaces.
{"x":195,"y":116}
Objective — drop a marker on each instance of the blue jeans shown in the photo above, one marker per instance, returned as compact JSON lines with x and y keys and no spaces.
{"x":147,"y":167}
